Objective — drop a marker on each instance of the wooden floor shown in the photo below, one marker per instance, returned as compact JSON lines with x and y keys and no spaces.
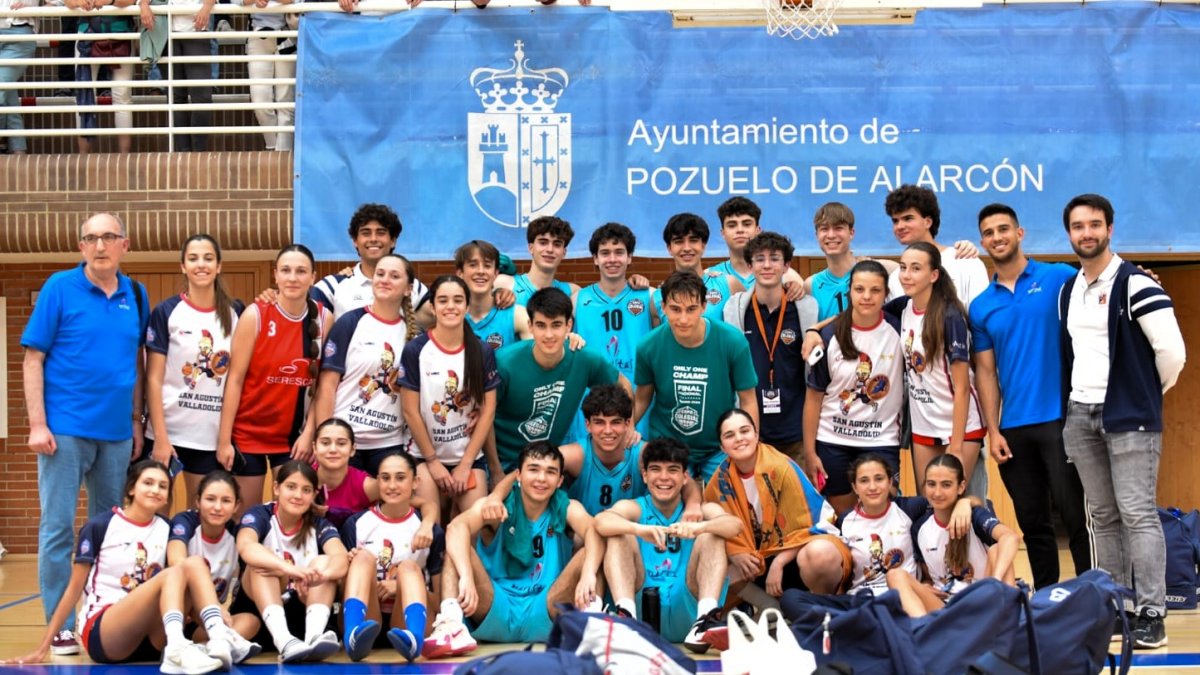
{"x":22,"y":626}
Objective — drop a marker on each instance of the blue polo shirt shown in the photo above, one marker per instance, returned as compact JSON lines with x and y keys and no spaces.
{"x":91,"y":344}
{"x":1022,"y":328}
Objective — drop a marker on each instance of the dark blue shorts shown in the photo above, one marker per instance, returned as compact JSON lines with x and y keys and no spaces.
{"x":837,"y":460}
{"x":145,"y":651}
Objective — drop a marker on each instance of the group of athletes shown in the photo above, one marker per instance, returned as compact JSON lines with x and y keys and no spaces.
{"x":494,"y":444}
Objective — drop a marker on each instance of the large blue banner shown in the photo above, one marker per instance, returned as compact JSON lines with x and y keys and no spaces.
{"x":470,"y":124}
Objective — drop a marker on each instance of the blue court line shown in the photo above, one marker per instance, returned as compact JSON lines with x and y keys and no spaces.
{"x":22,"y":601}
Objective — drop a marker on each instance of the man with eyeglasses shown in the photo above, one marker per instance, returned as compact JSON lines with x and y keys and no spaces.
{"x":83,"y":393}
{"x":775,"y":330}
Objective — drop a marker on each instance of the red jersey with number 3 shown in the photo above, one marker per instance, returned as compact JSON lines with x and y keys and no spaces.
{"x":275,"y":392}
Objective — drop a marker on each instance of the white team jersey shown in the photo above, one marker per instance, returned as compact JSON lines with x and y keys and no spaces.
{"x":220,"y":554}
{"x":344,"y":293}
{"x":198,"y":357}
{"x":881,"y":543}
{"x":447,"y":411}
{"x":123,"y":554}
{"x":864,"y":397}
{"x":284,"y":543}
{"x":390,"y":541}
{"x":365,"y":350}
{"x":969,"y":275}
{"x":931,"y":540}
{"x":930,"y":391}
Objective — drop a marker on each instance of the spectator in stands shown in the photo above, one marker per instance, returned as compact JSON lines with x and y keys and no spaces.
{"x":269,"y":45}
{"x":14,"y":50}
{"x":188,"y":23}
{"x":83,"y":385}
{"x":90,"y":72}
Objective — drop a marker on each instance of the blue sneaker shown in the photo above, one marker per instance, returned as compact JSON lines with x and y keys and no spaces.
{"x":405,"y":642}
{"x":360,"y":640}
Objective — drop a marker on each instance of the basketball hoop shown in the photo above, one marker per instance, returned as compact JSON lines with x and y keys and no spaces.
{"x":801,"y":19}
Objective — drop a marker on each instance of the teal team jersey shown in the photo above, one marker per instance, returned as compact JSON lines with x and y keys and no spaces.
{"x":693,"y":386}
{"x":535,"y":403}
{"x":714,"y":300}
{"x":598,"y":487}
{"x":726,"y":267}
{"x":523,"y":288}
{"x":613,"y":325}
{"x":667,"y":567}
{"x":519,"y":612}
{"x":831,"y":293}
{"x":496,"y":329}
{"x":666,"y":570}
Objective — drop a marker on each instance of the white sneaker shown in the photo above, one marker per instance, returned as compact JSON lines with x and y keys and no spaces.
{"x":241,"y":648}
{"x":323,"y":646}
{"x":295,"y":651}
{"x":221,"y":650}
{"x":450,"y":637}
{"x":187,"y":659}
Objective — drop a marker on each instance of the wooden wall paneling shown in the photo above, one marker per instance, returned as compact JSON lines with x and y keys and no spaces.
{"x":1180,"y":466}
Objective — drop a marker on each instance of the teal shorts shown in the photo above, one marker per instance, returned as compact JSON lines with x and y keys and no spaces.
{"x":703,"y":468}
{"x":515,"y":618}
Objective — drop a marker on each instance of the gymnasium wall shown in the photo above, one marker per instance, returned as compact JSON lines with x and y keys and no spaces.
{"x":245,"y":200}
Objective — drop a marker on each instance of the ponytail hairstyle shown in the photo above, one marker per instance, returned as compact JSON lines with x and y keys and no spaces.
{"x":942,"y":298}
{"x":411,"y":329}
{"x":843,"y":324}
{"x":224,"y":303}
{"x":956,"y":549}
{"x":308,"y":522}
{"x":472,"y":381}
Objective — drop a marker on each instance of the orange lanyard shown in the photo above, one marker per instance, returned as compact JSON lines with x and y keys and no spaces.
{"x":762,"y":333}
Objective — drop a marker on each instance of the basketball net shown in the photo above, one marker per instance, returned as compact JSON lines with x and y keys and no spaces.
{"x":801,"y":19}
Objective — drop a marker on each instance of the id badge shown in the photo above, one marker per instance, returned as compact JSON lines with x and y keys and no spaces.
{"x":771,"y":402}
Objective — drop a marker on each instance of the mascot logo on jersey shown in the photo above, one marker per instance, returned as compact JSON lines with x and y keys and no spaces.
{"x":143,"y":569}
{"x":914,"y":360}
{"x":866,"y":389}
{"x":384,"y":380}
{"x":519,"y":152}
{"x":881,"y":561}
{"x":208,"y":363}
{"x":453,"y":400}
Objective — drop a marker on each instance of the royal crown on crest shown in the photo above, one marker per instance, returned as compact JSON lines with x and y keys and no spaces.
{"x":519,"y":88}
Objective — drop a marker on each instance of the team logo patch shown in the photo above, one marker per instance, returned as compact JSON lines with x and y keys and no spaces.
{"x":636,"y":307}
{"x":150,"y":334}
{"x":496,"y":340}
{"x":85,"y":547}
{"x":248,"y":519}
{"x":330,"y":349}
{"x":626,"y":483}
{"x":687,"y":418}
{"x":178,"y":529}
{"x":713,"y":297}
{"x":788,"y":336}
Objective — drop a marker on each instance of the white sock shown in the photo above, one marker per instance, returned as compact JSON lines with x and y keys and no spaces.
{"x":214,"y":622}
{"x":628,"y":605}
{"x":276,"y":622}
{"x":315,"y":621}
{"x":704,"y":606}
{"x":173,"y":626}
{"x":451,"y":610}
